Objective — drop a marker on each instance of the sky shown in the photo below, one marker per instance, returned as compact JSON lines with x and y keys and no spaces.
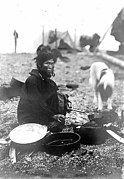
{"x":27,"y":17}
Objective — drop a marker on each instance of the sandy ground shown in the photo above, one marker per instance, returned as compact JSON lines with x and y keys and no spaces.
{"x":101,"y":161}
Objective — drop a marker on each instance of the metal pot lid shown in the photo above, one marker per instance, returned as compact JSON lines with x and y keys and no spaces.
{"x":28,"y":133}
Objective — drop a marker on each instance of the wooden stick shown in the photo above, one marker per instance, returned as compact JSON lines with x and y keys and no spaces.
{"x":111,"y":59}
{"x":116,"y":136}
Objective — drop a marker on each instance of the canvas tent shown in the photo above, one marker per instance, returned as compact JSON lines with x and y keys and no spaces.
{"x":118,"y":30}
{"x":118,"y":27}
{"x":62,"y":40}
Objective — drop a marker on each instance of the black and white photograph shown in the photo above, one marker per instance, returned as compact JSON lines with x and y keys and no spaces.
{"x":62,"y":89}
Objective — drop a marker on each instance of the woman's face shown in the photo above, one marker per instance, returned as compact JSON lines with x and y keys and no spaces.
{"x":48,"y":68}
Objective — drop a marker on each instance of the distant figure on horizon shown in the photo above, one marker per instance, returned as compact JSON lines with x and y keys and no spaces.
{"x":15,"y":39}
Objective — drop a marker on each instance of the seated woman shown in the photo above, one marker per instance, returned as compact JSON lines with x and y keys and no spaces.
{"x":40,"y":102}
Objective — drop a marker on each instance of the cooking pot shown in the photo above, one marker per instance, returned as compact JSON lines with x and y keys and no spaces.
{"x":61,"y":142}
{"x":28,"y":137}
{"x":94,"y":132}
{"x":91,"y":135}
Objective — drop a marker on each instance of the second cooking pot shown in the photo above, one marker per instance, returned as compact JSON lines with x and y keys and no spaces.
{"x":91,"y":135}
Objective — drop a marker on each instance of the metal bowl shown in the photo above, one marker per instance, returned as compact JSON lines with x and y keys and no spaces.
{"x":28,"y":136}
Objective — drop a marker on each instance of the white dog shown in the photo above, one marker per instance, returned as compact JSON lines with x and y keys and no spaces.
{"x":102,"y":81}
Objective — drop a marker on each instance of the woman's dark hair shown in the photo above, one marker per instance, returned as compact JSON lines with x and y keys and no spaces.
{"x":42,"y":48}
{"x":43,"y":57}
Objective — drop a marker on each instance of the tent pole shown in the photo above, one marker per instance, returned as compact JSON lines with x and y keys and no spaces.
{"x":75,"y":39}
{"x":43,"y":34}
{"x":105,"y":34}
{"x":103,"y":38}
{"x":56,"y":37}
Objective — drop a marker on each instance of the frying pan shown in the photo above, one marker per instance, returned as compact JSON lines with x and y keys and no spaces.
{"x":61,"y":142}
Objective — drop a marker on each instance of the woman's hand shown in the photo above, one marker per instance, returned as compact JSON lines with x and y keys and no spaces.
{"x":59,"y":117}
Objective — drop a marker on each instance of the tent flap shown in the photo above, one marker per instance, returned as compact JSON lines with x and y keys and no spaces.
{"x":118,"y":27}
